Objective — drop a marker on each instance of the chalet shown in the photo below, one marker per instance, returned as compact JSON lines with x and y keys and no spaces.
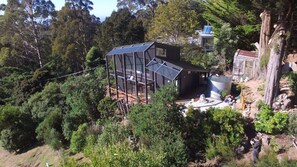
{"x":136,"y":71}
{"x":244,"y":64}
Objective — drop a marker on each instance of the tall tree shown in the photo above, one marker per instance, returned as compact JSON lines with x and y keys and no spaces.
{"x":277,"y":49}
{"x":121,"y":28}
{"x":241,"y":15}
{"x":173,"y":21}
{"x":73,"y":33}
{"x":136,"y":5}
{"x":25,"y":39}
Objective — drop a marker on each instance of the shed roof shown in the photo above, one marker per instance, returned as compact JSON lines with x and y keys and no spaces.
{"x":246,"y":53}
{"x":142,"y":47}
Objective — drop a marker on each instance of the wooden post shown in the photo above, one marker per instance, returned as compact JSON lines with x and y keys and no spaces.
{"x":108,"y":77}
{"x":125,"y":77}
{"x":115,"y":75}
{"x":145,"y":78}
{"x":135,"y":74}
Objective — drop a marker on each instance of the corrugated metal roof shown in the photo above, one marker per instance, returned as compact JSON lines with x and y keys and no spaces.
{"x":130,"y":48}
{"x":246,"y":53}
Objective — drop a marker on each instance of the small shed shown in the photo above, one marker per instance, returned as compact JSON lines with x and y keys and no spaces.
{"x":244,"y":64}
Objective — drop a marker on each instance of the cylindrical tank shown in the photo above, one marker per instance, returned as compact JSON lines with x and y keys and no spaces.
{"x":219,"y":84}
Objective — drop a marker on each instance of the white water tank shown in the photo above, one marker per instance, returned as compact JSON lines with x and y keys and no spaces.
{"x":219,"y":84}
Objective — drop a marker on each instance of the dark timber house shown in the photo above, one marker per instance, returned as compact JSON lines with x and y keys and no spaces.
{"x":134,"y":72}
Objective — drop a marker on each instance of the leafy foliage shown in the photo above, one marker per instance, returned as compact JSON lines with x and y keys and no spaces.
{"x":121,"y":154}
{"x":216,"y":132}
{"x":78,"y":139}
{"x":121,"y":28}
{"x":158,"y":126}
{"x":193,"y":53}
{"x":293,"y":82}
{"x":16,"y":128}
{"x":173,"y":21}
{"x":225,"y":46}
{"x":270,"y":122}
{"x":73,"y":33}
{"x":82,"y":95}
{"x":50,"y":130}
{"x":292,"y":123}
{"x":241,"y":16}
{"x":93,"y":58}
{"x":106,"y":108}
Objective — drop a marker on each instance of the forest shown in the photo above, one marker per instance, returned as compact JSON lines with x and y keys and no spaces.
{"x":53,"y":87}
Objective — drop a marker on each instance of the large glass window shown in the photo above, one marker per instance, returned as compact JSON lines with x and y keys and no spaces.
{"x":160,"y":52}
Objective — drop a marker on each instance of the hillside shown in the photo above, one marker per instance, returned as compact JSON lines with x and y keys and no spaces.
{"x":35,"y":157}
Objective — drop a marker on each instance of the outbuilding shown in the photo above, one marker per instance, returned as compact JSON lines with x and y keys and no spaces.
{"x":136,"y":71}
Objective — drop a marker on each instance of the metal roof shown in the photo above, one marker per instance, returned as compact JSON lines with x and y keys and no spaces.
{"x":164,"y":68}
{"x":130,"y":48}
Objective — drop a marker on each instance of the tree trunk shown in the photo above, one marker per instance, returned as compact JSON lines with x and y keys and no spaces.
{"x":278,"y":46}
{"x":264,"y":39}
{"x":29,"y":5}
{"x":274,"y":68}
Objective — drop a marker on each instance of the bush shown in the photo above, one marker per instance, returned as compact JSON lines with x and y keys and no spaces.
{"x":50,"y":130}
{"x":264,"y":60}
{"x":78,"y":139}
{"x":217,"y":147}
{"x":292,"y":123}
{"x":16,"y":128}
{"x":270,"y":159}
{"x":112,"y":134}
{"x":121,"y":154}
{"x":106,"y":108}
{"x":158,"y":126}
{"x":293,"y":82}
{"x":259,"y":104}
{"x":270,"y":122}
{"x":224,"y":93}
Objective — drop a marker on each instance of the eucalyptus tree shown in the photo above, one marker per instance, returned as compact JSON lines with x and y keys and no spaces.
{"x":25,"y":40}
{"x":121,"y":28}
{"x":174,"y":21}
{"x":73,"y":32}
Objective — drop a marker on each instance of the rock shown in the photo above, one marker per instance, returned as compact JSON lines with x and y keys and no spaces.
{"x":286,"y":104}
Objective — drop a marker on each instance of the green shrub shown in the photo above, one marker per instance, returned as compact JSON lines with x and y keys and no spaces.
{"x":121,"y":154}
{"x":218,"y":148}
{"x":264,"y":60}
{"x":112,"y":133}
{"x":270,"y":159}
{"x":78,"y":139}
{"x":270,"y":122}
{"x":293,"y":82}
{"x":106,"y":107}
{"x":259,"y":104}
{"x":16,"y":128}
{"x":260,"y":89}
{"x":292,"y":123}
{"x":50,"y":130}
{"x":224,"y":93}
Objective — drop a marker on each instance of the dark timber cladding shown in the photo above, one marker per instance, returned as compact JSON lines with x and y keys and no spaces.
{"x":136,"y":71}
